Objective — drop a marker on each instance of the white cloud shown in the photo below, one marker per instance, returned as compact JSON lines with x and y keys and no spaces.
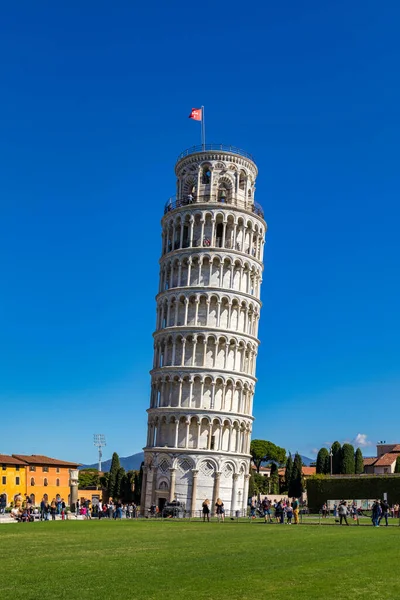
{"x":362,"y":440}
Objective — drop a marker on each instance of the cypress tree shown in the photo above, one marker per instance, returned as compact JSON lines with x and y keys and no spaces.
{"x":119,"y":483}
{"x":336,"y":458}
{"x":359,"y":461}
{"x":112,"y":476}
{"x":274,"y":480}
{"x":348,"y":464}
{"x":288,"y":472}
{"x":323,"y":461}
{"x":397,"y":467}
{"x":296,"y":482}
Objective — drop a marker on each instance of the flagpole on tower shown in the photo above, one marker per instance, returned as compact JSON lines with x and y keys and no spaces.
{"x":203,"y":129}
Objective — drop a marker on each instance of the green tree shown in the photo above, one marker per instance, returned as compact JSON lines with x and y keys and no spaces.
{"x":138,"y":485}
{"x":359,"y":461}
{"x":113,"y":475}
{"x":119,"y":483}
{"x":263,"y":451}
{"x":323,"y":462}
{"x":274,"y":479}
{"x":397,"y":467}
{"x":88,"y":478}
{"x":348,"y":464}
{"x":336,"y":450}
{"x":288,"y":472}
{"x":296,"y":482}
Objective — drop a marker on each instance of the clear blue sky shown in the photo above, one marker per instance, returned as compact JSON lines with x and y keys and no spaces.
{"x":94,"y":100}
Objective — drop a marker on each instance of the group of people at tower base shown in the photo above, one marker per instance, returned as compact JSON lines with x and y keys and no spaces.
{"x":380,"y":510}
{"x":279,"y":511}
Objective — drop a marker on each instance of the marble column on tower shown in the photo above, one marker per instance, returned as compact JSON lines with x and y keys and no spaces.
{"x":194,"y":493}
{"x":234,"y":493}
{"x":217,"y":478}
{"x":172,"y":484}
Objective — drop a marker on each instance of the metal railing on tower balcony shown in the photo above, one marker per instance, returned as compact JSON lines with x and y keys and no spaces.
{"x":215,"y":147}
{"x":188,"y":199}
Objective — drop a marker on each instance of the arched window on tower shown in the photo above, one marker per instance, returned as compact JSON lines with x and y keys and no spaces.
{"x":32,"y":481}
{"x":223,"y":193}
{"x":45,"y":482}
{"x":242,"y":180}
{"x":206,"y":175}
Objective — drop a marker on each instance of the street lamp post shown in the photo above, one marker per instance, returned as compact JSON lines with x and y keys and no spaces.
{"x":331,"y":455}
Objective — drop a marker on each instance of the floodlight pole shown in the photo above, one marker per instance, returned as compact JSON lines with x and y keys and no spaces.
{"x":99,"y":440}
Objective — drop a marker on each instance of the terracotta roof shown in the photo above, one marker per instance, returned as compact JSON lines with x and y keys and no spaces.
{"x":386,"y":459}
{"x":306,"y":471}
{"x":10,"y":460}
{"x":370,"y":460}
{"x":39,"y":459}
{"x":396,"y":448}
{"x":309,"y":470}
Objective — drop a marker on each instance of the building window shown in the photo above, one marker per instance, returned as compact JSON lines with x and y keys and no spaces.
{"x":206,"y":175}
{"x":385,"y":470}
{"x":45,"y":482}
{"x":4,"y":480}
{"x":17,"y":468}
{"x":32,"y":481}
{"x":57,"y":482}
{"x":45,"y":469}
{"x":17,"y":481}
{"x":32,"y":468}
{"x":58,"y":470}
{"x":4,"y":467}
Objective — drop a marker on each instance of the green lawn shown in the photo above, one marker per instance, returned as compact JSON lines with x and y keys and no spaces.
{"x":197,"y":561}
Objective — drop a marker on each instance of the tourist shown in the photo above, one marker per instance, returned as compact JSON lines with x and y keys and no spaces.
{"x":289,"y":513}
{"x":64,"y":514}
{"x":266,"y":506}
{"x":295,"y":506}
{"x":220,"y":510}
{"x":280,"y":512}
{"x":206,"y":510}
{"x":77,"y":508}
{"x":253,"y":510}
{"x":384,"y":512}
{"x":324,"y":510}
{"x":53,"y":509}
{"x":376,"y":513}
{"x":343,"y":512}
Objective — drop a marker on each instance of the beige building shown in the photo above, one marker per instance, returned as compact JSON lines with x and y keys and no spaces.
{"x":385,"y":461}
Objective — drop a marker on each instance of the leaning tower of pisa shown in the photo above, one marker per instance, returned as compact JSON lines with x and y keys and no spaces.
{"x":205,"y":343}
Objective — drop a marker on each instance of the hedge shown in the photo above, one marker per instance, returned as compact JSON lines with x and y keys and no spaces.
{"x":321,"y":488}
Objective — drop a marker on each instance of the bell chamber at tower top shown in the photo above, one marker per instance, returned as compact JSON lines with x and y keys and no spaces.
{"x":216,"y":175}
{"x":214,"y":206}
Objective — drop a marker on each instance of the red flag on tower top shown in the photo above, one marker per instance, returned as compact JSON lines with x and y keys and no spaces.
{"x":196,"y":114}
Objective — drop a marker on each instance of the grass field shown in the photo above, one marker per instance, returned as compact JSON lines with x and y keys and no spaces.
{"x":196,"y":561}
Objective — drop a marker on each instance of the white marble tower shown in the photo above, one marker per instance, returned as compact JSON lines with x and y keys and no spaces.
{"x":205,"y":343}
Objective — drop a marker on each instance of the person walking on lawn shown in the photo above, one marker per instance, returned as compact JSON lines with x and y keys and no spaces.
{"x":343,"y":512}
{"x":295,"y":506}
{"x":376,"y":513}
{"x":385,"y":512}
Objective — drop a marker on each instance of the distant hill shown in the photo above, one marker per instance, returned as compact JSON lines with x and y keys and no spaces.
{"x":307,"y":461}
{"x":132,"y":463}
